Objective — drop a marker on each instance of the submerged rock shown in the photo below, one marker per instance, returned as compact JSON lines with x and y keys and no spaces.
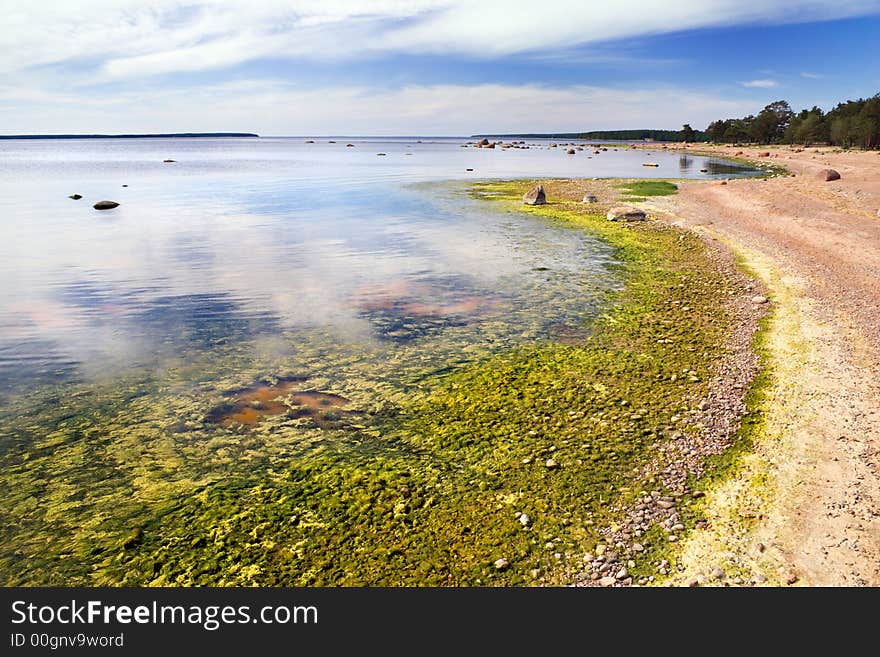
{"x":828,"y":175}
{"x":535,"y":196}
{"x":626,"y":213}
{"x":105,"y":205}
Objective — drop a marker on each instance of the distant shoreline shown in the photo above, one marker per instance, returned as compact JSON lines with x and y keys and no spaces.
{"x":170,"y":135}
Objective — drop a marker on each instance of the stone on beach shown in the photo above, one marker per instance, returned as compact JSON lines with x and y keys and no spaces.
{"x":535,"y":196}
{"x":483,"y":142}
{"x":828,"y":175}
{"x":75,"y":197}
{"x":105,"y":205}
{"x":625,"y":213}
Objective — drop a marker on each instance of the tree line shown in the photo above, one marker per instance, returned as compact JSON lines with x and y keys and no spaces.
{"x":853,"y":124}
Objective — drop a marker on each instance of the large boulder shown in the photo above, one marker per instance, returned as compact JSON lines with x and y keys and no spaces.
{"x":625,"y":213}
{"x":483,"y":142}
{"x":535,"y":196}
{"x":828,"y":174}
{"x":106,"y":205}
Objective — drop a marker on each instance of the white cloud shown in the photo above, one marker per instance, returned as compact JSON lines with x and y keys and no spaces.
{"x":133,"y":37}
{"x":812,"y":76}
{"x":760,"y":84}
{"x":272,"y":108}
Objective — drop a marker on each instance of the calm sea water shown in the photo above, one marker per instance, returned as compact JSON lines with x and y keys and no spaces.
{"x":245,"y":238}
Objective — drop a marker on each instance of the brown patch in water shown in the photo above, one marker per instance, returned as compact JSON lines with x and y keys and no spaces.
{"x":254,"y":404}
{"x":420,"y":300}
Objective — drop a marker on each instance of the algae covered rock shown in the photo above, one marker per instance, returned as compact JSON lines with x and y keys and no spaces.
{"x":625,"y":213}
{"x":535,"y":196}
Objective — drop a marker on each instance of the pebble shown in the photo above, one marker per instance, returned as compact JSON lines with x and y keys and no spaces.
{"x":693,"y":582}
{"x":501,"y":564}
{"x":663,"y":504}
{"x":678,"y":527}
{"x":673,"y":538}
{"x":717,"y":574}
{"x":791,"y":579}
{"x":608,"y":581}
{"x":524,"y":520}
{"x":527,"y":460}
{"x":760,"y":299}
{"x":551,"y":464}
{"x":638,"y":547}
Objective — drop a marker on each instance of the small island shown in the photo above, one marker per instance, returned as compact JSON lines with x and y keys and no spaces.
{"x":169,"y":135}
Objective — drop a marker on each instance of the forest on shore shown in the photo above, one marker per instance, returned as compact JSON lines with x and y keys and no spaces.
{"x":852,"y":124}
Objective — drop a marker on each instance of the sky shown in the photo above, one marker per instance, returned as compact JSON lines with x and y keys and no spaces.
{"x":423,"y":67}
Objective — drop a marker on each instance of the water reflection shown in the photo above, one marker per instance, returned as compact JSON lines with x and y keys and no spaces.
{"x":245,"y":240}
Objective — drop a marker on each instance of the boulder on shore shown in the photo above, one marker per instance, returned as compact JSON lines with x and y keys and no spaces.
{"x":483,"y":142}
{"x":535,"y":196}
{"x":626,"y":213}
{"x":105,"y":205}
{"x":828,"y":175}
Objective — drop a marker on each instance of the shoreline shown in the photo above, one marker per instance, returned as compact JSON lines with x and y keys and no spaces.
{"x":801,"y":509}
{"x":647,"y":527}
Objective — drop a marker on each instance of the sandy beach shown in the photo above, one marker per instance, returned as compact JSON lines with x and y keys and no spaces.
{"x":803,"y":508}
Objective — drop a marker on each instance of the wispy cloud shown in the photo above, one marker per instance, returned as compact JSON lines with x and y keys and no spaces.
{"x":270,"y":107}
{"x":127,"y":38}
{"x":760,"y":84}
{"x":812,"y":76}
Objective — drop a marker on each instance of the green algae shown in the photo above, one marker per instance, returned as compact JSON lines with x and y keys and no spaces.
{"x":422,"y":483}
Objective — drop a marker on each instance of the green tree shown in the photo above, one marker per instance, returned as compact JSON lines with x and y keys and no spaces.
{"x":688,"y":133}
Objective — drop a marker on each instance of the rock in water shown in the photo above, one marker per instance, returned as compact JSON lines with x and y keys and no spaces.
{"x":106,"y":205}
{"x":483,"y":142}
{"x":169,"y":161}
{"x":75,"y":197}
{"x":625,"y":213}
{"x":828,"y":175}
{"x":535,"y":196}
{"x":570,"y":151}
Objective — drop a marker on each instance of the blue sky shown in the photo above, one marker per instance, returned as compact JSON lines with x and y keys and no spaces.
{"x":424,"y":66}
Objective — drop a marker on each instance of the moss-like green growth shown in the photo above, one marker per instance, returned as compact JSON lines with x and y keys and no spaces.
{"x":642,"y":188}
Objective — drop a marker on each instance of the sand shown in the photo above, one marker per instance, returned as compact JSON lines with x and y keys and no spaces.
{"x":804,"y":509}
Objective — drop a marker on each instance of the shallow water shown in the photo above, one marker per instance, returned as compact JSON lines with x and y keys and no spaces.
{"x":250,"y":302}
